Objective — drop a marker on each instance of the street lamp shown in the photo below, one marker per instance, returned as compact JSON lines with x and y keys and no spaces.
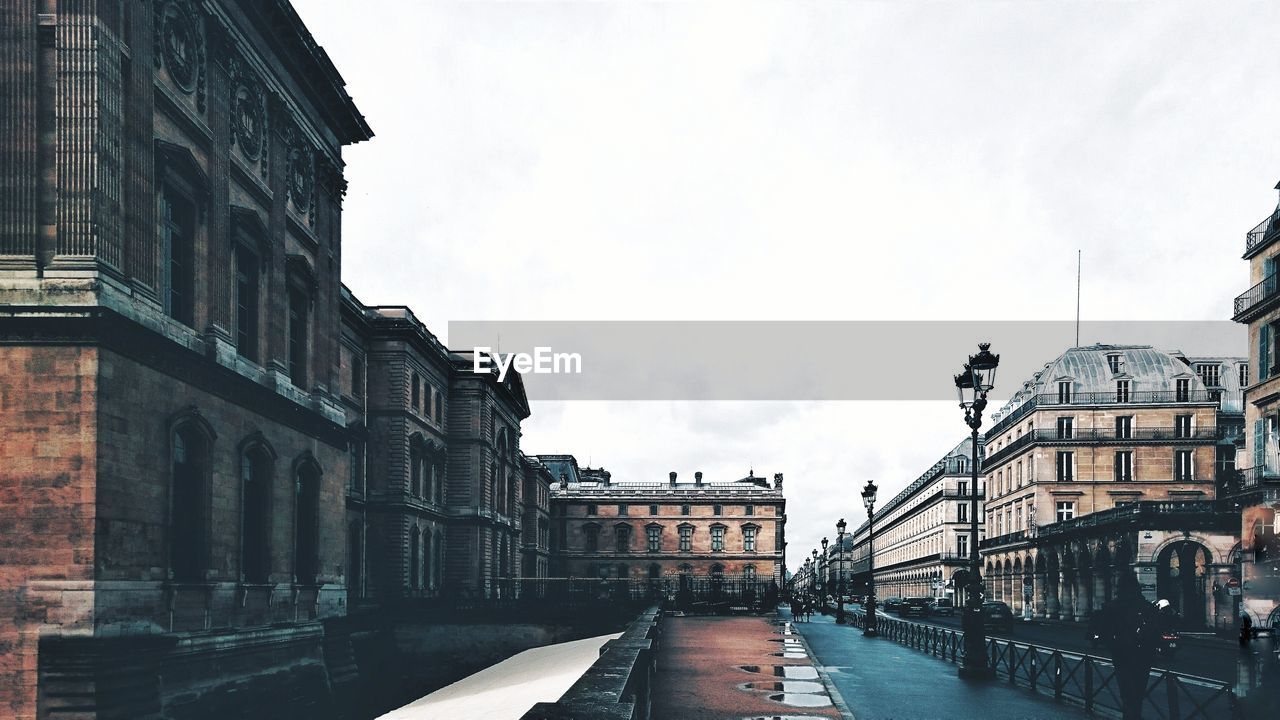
{"x":840,"y":526}
{"x":972,"y":385}
{"x":869,"y":500}
{"x":826,"y":575}
{"x":817,"y":575}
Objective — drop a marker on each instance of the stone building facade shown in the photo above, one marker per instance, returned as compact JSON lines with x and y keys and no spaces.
{"x":659,"y":530}
{"x":176,"y":452}
{"x":1107,"y":461}
{"x":1257,"y":488}
{"x":921,"y":534}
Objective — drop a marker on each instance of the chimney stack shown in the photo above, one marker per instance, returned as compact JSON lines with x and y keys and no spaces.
{"x":777,"y":481}
{"x":697,"y":478}
{"x":671,"y":478}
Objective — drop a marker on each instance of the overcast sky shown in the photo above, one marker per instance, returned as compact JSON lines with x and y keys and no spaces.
{"x":800,"y":161}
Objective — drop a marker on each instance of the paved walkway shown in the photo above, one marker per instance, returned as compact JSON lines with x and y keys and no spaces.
{"x":880,"y":679}
{"x":731,"y":668}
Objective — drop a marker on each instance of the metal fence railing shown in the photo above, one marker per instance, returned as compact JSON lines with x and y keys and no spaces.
{"x":1079,"y":679}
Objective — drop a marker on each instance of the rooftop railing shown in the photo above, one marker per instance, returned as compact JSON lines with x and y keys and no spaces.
{"x":1107,"y":434}
{"x":1110,"y":397}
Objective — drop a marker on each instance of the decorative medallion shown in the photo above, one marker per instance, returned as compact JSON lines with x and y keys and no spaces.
{"x":180,"y":41}
{"x":302,"y":176}
{"x":248,"y":112}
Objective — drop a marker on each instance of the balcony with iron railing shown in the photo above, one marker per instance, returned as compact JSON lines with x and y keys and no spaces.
{"x":1002,"y":540}
{"x":1257,"y":299}
{"x":1251,"y":480}
{"x":1110,"y":397}
{"x":1151,"y":514}
{"x":1262,"y":235}
{"x":1109,"y":435}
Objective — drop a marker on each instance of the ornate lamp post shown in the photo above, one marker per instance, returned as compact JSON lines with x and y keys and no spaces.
{"x":826,"y":575}
{"x":817,"y":576}
{"x":972,"y":385}
{"x":840,"y":526}
{"x":869,"y":500}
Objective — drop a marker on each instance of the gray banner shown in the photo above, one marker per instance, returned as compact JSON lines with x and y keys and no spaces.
{"x":856,"y":360}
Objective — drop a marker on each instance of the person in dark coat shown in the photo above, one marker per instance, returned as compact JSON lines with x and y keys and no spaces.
{"x":1130,"y":628}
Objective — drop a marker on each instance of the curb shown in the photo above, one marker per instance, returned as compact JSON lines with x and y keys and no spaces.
{"x":836,"y":698}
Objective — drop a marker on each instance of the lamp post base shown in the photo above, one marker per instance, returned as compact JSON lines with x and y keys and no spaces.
{"x":977,"y":673}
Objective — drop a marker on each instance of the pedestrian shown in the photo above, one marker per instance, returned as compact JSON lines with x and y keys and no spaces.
{"x":1246,"y":629}
{"x":1130,"y":628}
{"x":795,"y":610}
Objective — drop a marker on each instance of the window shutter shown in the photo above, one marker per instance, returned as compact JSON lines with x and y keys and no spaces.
{"x":1264,"y":352}
{"x":1259,"y":442}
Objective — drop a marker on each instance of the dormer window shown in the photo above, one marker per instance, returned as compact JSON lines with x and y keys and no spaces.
{"x":1113,"y":362}
{"x":1064,"y":392}
{"x":1122,"y":391}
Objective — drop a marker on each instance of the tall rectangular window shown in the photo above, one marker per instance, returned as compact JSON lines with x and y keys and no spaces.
{"x":1064,"y":391}
{"x":717,"y":538}
{"x":1113,"y":362}
{"x":686,"y":538}
{"x":622,"y":538}
{"x":654,"y":534}
{"x":1243,"y":374}
{"x":962,"y":512}
{"x":749,"y":539}
{"x":1209,"y":374}
{"x":415,"y":391}
{"x":1182,"y":426}
{"x":1122,"y":391}
{"x":1183,"y":390}
{"x":298,"y":347}
{"x":684,"y":509}
{"x":1124,"y":466}
{"x":962,"y":545}
{"x":622,"y":510}
{"x":1183,"y":466}
{"x":1066,"y":428}
{"x":716,"y":510}
{"x":653,"y":509}
{"x":750,"y":510}
{"x":1066,"y":510}
{"x":177,"y":228}
{"x":592,"y":534}
{"x":1066,"y":466}
{"x":1124,"y":427}
{"x":247,"y":285}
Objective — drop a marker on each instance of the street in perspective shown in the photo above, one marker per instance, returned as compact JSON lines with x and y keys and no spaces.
{"x":656,"y":361}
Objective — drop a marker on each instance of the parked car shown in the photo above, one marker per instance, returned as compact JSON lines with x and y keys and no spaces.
{"x":942,"y":606}
{"x":892,"y":604}
{"x":997,"y":614}
{"x":917,"y":606}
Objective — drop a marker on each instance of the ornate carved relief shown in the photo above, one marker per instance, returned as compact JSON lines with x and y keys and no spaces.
{"x":248,"y":114}
{"x":300,"y":173}
{"x":180,"y":46}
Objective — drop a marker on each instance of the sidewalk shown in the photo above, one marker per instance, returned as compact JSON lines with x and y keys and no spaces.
{"x":729,"y":668}
{"x":878,"y":678}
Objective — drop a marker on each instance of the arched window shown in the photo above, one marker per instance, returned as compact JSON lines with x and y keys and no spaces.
{"x":414,"y":558}
{"x":415,"y":468}
{"x":188,"y":512}
{"x":426,"y":557}
{"x":749,"y":573}
{"x":306,"y":538}
{"x":255,"y":516}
